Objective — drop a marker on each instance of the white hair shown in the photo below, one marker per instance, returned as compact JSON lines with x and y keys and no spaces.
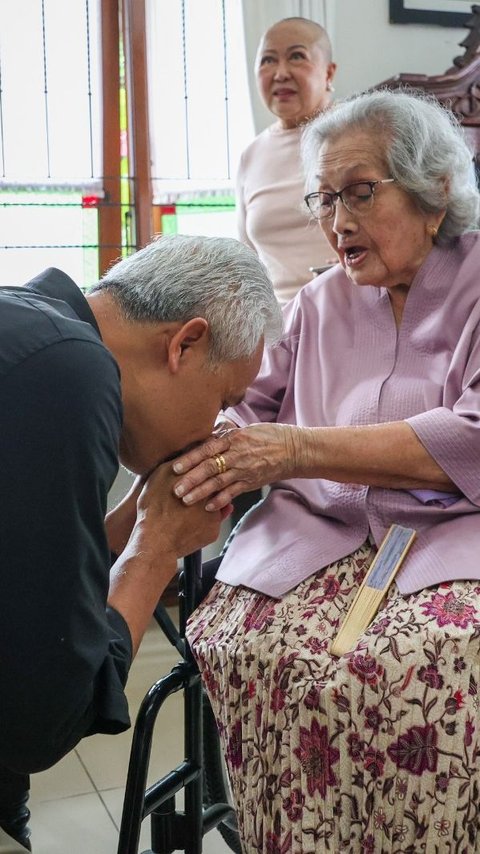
{"x":179,"y":277}
{"x":424,"y":147}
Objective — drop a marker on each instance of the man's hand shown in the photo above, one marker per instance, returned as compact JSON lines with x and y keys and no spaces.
{"x":164,"y":521}
{"x":164,"y":530}
{"x":119,"y":522}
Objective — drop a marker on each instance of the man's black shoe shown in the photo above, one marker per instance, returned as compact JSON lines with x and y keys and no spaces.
{"x":17,"y":827}
{"x":13,"y":844}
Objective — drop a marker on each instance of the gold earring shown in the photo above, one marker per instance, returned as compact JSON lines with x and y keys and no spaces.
{"x":433,"y":231}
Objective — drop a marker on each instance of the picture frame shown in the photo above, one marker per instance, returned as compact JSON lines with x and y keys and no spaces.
{"x":401,"y":13}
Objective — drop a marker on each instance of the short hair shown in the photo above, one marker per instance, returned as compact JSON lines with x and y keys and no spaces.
{"x":425,"y":151}
{"x":322,"y":36}
{"x":179,"y":277}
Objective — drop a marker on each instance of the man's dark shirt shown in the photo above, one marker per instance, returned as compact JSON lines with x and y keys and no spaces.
{"x":64,"y":656}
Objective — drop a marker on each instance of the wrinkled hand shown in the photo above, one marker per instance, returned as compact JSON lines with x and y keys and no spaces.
{"x":165,"y":523}
{"x":254,"y":456}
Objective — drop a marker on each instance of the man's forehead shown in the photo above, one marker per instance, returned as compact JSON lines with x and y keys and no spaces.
{"x":239,"y":374}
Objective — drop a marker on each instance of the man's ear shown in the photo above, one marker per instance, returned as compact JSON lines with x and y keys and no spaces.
{"x":191,"y":337}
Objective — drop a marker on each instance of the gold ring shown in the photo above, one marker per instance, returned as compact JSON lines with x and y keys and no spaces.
{"x":220,"y":463}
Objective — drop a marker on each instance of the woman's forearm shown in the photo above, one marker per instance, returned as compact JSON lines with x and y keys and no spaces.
{"x":386,"y":455}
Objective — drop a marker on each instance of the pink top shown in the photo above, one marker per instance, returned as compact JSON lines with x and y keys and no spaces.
{"x":343,"y":362}
{"x":271,"y":217}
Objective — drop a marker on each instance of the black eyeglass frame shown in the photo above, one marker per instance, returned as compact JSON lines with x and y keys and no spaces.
{"x":339,"y":195}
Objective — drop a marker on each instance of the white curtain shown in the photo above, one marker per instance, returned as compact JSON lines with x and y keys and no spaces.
{"x":258,"y":15}
{"x":51,"y":95}
{"x":199,"y":106}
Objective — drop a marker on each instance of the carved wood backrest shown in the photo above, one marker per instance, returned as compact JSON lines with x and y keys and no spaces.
{"x":459,"y":87}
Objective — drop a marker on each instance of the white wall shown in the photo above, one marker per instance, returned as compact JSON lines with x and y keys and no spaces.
{"x":368,"y":49}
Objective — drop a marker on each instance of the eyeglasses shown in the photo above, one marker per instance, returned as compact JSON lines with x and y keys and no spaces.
{"x":357,"y":198}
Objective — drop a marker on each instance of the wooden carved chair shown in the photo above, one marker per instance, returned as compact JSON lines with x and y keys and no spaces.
{"x":458,"y":88}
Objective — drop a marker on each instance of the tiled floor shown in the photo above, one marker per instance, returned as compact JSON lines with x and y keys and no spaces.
{"x":76,"y":806}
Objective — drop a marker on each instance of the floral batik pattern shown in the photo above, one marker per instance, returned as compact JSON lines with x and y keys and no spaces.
{"x":375,"y":751}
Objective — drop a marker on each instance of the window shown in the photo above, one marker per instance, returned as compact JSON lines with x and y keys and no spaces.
{"x":199,"y":108}
{"x":50,"y":93}
{"x":50,"y":138}
{"x":54,"y":107}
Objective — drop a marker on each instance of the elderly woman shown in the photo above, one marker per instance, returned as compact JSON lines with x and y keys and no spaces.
{"x":371,"y":405}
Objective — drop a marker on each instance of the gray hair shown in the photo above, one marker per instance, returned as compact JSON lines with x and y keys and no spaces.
{"x":179,"y":277}
{"x":425,"y":151}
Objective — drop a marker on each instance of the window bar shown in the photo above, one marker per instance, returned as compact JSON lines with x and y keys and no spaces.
{"x":111,"y":211}
{"x":45,"y":84}
{"x":89,"y":85}
{"x":185,"y":87}
{"x":2,"y":137}
{"x":137,"y":122}
{"x":225,"y":71}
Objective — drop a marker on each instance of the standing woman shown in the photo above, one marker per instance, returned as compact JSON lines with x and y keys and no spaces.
{"x":370,"y":415}
{"x":294,"y":71}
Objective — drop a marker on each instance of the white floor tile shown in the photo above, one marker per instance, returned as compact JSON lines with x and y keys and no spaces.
{"x":105,"y":756}
{"x":78,"y":825}
{"x":114,"y":800}
{"x":67,"y":778}
{"x":212,"y":843}
{"x":76,"y":806}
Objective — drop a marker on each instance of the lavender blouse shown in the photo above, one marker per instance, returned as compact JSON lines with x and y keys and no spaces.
{"x":342,"y":361}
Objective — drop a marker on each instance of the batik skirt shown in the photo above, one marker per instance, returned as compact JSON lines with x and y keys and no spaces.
{"x":375,"y":751}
